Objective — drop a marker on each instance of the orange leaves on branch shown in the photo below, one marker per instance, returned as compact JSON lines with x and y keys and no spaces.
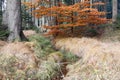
{"x":98,"y":3}
{"x":77,"y":15}
{"x":54,"y":32}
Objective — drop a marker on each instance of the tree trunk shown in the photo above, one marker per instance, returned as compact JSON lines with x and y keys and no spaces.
{"x":114,"y":10}
{"x":0,"y":11}
{"x":91,"y":2}
{"x":4,"y":14}
{"x":14,"y":20}
{"x":5,"y":18}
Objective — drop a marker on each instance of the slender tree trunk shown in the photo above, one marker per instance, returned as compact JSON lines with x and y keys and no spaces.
{"x":5,"y":18}
{"x":91,"y":2}
{"x":4,"y":13}
{"x":114,"y":10}
{"x":0,"y":11}
{"x":14,"y":20}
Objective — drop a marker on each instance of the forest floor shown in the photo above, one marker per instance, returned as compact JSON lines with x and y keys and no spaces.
{"x":98,"y":58}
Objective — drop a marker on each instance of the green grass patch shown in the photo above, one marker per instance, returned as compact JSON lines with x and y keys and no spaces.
{"x":43,"y":46}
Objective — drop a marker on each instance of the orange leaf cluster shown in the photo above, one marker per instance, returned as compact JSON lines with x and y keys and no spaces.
{"x":77,"y":15}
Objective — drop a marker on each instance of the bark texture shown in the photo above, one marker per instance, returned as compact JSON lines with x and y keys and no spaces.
{"x":14,"y":20}
{"x":114,"y":10}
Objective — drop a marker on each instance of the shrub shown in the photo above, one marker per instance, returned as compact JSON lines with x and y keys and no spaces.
{"x":43,"y":46}
{"x":3,"y":33}
{"x":70,"y":57}
{"x":116,"y":24}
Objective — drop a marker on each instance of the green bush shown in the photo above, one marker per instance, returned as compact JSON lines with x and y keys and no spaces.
{"x":3,"y":33}
{"x":43,"y":46}
{"x":116,"y":24}
{"x":70,"y":57}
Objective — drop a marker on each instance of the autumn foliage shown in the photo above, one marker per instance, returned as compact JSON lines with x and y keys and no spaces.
{"x":81,"y":14}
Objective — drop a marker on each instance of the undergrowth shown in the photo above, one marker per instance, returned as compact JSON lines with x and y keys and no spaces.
{"x":49,"y":65}
{"x":43,"y":46}
{"x":70,"y":57}
{"x":9,"y":70}
{"x":116,"y":24}
{"x":3,"y":34}
{"x":111,"y":31}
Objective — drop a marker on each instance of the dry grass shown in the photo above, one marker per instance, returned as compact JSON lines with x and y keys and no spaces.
{"x":111,"y":36}
{"x":15,"y":59}
{"x":19,"y":60}
{"x":2,"y":43}
{"x":29,"y":32}
{"x":22,"y":50}
{"x":100,"y":60}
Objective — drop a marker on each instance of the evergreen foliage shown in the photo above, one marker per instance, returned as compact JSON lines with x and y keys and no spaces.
{"x":43,"y":46}
{"x":3,"y":33}
{"x":117,"y":23}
